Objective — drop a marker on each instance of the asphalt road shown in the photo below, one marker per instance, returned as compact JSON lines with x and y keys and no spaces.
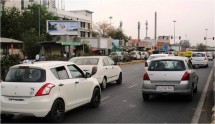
{"x":124,"y":104}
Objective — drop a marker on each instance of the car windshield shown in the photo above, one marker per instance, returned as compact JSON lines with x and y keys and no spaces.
{"x":87,"y":61}
{"x":208,"y":54}
{"x":198,"y":55}
{"x":26,"y":75}
{"x":167,"y":65}
{"x":153,"y":57}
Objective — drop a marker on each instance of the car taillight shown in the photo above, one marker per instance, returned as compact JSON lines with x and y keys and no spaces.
{"x":186,"y":76}
{"x":190,"y":58}
{"x":94,"y":70}
{"x":146,"y":64}
{"x":211,"y":55}
{"x":45,"y":89}
{"x":205,"y":58}
{"x":146,"y":76}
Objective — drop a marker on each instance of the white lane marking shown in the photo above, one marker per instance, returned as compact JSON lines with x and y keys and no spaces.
{"x":133,"y":86}
{"x":198,"y":111}
{"x":105,"y":98}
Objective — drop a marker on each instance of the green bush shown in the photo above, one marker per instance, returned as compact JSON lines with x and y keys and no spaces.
{"x":7,"y":62}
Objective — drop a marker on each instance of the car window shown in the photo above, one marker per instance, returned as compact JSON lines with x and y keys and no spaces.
{"x":105,"y":62}
{"x":111,"y":61}
{"x":60,"y":72}
{"x":75,"y":72}
{"x":167,"y":65}
{"x":26,"y":75}
{"x":153,"y":57}
{"x":87,"y":61}
{"x":198,"y":55}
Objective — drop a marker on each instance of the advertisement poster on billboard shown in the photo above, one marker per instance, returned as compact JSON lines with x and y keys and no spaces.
{"x":62,"y":27}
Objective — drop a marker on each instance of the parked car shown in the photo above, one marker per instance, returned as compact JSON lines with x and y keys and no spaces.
{"x":135,"y":54}
{"x":47,"y":89}
{"x":199,"y":59}
{"x":117,"y":55}
{"x":170,"y":75}
{"x":143,"y":55}
{"x":209,"y":56}
{"x":153,"y":56}
{"x":103,"y":68}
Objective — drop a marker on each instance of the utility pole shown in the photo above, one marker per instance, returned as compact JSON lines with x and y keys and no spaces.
{"x":174,"y":30}
{"x":146,"y":27}
{"x":206,"y":36}
{"x":139,"y":31}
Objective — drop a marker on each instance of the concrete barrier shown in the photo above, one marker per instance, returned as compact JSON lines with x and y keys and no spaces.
{"x":213,"y":109}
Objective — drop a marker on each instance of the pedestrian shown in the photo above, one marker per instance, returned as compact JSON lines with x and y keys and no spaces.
{"x":42,"y":58}
{"x":64,"y":55}
{"x":37,"y":58}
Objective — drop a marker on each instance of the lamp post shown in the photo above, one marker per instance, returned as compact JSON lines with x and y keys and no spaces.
{"x":206,"y":36}
{"x":174,"y":30}
{"x":110,"y":19}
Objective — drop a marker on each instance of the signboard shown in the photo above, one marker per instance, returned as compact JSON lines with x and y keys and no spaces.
{"x":165,"y":47}
{"x":71,"y":43}
{"x":62,"y":27}
{"x":116,"y":43}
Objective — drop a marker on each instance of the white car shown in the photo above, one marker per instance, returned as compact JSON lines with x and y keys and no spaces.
{"x":143,"y":55}
{"x":153,"y":56}
{"x":47,"y":89}
{"x":209,"y":56}
{"x":117,"y":54}
{"x":135,"y":55}
{"x":199,"y":59}
{"x":170,"y":75}
{"x":103,"y":68}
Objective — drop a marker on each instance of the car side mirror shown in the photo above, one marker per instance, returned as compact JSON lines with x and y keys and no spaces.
{"x":88,"y":75}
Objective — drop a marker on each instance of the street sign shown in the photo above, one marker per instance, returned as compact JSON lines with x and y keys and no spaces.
{"x":70,"y":43}
{"x":165,"y":47}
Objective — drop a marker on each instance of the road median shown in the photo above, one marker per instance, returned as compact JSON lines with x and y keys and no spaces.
{"x":132,"y":62}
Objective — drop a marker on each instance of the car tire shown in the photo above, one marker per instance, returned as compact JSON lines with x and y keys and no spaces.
{"x":104,"y":83}
{"x":6,"y":117}
{"x":96,"y":98}
{"x":190,"y":96}
{"x":57,"y":112}
{"x":206,"y":66}
{"x":119,"y":81}
{"x":145,"y":97}
{"x":196,"y":89}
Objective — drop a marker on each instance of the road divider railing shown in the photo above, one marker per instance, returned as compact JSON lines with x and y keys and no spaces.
{"x":213,"y":109}
{"x":132,"y":62}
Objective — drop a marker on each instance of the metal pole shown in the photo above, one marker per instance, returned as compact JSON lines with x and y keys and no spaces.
{"x":206,"y":37}
{"x":174,"y":30}
{"x":39,"y":19}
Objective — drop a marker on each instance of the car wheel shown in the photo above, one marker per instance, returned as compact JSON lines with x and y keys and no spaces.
{"x":206,"y":66}
{"x":5,"y":117}
{"x":57,"y":112}
{"x":196,"y":89}
{"x":104,"y":83}
{"x":145,"y":97}
{"x":95,"y":100}
{"x":119,"y":81}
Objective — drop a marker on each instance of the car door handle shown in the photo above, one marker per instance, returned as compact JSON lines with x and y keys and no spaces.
{"x":76,"y":82}
{"x":61,"y":84}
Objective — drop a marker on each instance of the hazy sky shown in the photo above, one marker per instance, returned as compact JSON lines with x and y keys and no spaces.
{"x":192,"y":16}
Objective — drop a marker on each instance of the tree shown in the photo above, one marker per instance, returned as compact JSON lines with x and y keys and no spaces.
{"x":201,"y":47}
{"x":185,"y":44}
{"x":102,"y":28}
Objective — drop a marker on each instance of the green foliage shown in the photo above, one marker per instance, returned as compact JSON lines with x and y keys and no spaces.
{"x":56,"y":58}
{"x":7,"y":62}
{"x":87,"y":50}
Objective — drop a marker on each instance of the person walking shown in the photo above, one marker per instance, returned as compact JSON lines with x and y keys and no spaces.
{"x":37,"y":58}
{"x":42,"y":58}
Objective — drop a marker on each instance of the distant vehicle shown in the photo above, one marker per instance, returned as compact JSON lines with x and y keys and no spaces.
{"x":116,"y":54}
{"x":47,"y":89}
{"x":143,"y":55}
{"x":153,"y":57}
{"x":103,"y":68}
{"x":199,"y":59}
{"x":135,"y":54}
{"x":170,"y":75}
{"x":210,"y":56}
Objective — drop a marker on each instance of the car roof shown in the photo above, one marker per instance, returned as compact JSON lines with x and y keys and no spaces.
{"x":199,"y":52}
{"x":43,"y":64}
{"x":159,"y":54}
{"x":171,"y":57}
{"x":92,"y":56}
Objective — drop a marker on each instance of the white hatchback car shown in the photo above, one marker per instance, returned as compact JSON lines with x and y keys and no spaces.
{"x":47,"y":89}
{"x":170,"y":75}
{"x":199,"y":59}
{"x":103,"y":68}
{"x":135,"y":55}
{"x":153,"y":56}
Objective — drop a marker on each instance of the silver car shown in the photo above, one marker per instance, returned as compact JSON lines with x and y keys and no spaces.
{"x":170,"y":75}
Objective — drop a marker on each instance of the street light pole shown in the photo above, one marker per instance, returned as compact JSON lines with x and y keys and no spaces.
{"x":174,"y":30}
{"x":206,"y":36}
{"x":110,"y":19}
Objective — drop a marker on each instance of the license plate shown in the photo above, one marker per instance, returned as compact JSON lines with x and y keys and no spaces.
{"x":165,"y":88}
{"x":16,"y":99}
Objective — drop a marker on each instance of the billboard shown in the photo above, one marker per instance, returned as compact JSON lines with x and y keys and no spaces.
{"x":62,"y":27}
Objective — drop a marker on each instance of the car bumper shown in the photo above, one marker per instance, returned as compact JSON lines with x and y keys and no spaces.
{"x":31,"y":106}
{"x":200,"y":63}
{"x":182,"y":88}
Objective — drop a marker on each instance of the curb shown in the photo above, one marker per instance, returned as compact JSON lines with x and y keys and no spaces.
{"x":133,"y":62}
{"x":213,"y":108}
